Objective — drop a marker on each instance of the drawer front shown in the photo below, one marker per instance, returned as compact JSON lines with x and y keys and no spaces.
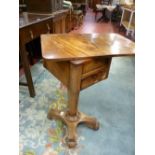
{"x":33,"y":31}
{"x":40,"y":28}
{"x":93,"y":79}
{"x":95,"y":64}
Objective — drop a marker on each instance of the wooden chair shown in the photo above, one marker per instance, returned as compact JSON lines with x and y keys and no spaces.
{"x":106,"y":2}
{"x":76,"y":15}
{"x":77,"y":18}
{"x":96,"y":10}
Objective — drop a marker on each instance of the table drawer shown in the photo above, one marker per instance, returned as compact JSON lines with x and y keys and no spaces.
{"x":95,"y":64}
{"x":88,"y":81}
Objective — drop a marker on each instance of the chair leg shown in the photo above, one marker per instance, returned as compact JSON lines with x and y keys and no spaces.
{"x":81,"y":19}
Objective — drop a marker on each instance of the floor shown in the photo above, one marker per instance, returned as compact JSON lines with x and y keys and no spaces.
{"x":111,"y":101}
{"x":90,"y":25}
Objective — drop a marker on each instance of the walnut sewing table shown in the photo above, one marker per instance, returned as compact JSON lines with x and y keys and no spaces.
{"x":79,"y":61}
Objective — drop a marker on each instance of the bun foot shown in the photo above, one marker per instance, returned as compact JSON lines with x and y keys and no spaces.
{"x":97,"y":125}
{"x":71,"y":143}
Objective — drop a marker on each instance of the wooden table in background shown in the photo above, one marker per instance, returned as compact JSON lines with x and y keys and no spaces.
{"x":31,"y":26}
{"x":79,"y":61}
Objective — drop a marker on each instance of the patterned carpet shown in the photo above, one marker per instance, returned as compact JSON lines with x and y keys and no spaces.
{"x":110,"y":101}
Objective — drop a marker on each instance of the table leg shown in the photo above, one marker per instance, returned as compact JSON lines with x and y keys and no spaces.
{"x":72,"y":117}
{"x":95,"y":15}
{"x":110,"y":12}
{"x":27,"y":71}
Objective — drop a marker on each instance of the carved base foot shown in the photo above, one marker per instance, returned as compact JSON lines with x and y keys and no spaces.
{"x":72,"y":122}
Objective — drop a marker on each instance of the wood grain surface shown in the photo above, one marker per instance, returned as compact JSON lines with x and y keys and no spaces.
{"x":77,"y":46}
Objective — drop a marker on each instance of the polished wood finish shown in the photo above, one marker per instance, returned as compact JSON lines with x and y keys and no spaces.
{"x":70,"y":73}
{"x":62,"y":57}
{"x":77,"y":18}
{"x":31,"y":26}
{"x":77,"y":46}
{"x":94,"y":71}
{"x":68,"y":21}
{"x":72,"y":122}
{"x":59,"y":23}
{"x":91,"y":69}
{"x":44,"y":6}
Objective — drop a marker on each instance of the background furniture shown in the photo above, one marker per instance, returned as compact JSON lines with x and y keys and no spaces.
{"x":77,"y":18}
{"x":103,"y":2}
{"x":103,"y":6}
{"x":48,"y":17}
{"x":68,"y":57}
{"x":79,"y":5}
{"x":128,"y":19}
{"x":30,"y":29}
{"x":59,"y":21}
{"x":44,"y":6}
{"x":68,"y":21}
{"x":93,"y":4}
{"x":76,"y":14}
{"x":31,"y":26}
{"x":104,"y":9}
{"x":117,"y":14}
{"x":68,"y":5}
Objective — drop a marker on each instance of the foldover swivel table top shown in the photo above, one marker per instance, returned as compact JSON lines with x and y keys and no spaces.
{"x":79,"y":61}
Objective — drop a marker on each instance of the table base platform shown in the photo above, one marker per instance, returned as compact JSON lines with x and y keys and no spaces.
{"x":72,"y":122}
